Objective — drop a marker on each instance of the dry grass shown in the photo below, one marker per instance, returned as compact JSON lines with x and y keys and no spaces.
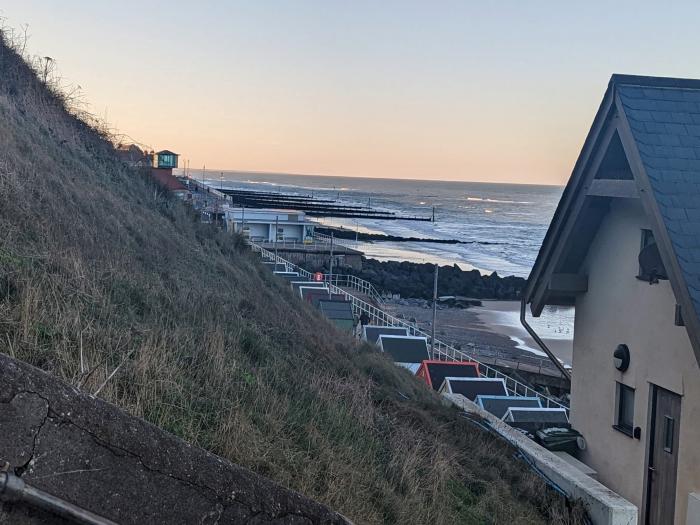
{"x":98,"y":270}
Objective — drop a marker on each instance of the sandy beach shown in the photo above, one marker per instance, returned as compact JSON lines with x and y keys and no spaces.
{"x":493,"y":329}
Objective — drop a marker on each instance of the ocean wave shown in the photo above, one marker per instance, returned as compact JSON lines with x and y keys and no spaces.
{"x":497,"y":201}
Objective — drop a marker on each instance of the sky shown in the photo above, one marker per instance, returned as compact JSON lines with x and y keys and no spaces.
{"x":451,"y":90}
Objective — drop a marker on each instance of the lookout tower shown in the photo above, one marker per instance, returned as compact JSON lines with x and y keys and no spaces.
{"x":165,"y":159}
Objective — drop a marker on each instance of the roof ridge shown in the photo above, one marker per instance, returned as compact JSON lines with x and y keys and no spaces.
{"x":618,"y":79}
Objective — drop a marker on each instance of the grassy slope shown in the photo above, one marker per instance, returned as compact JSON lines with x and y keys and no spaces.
{"x":92,"y":258}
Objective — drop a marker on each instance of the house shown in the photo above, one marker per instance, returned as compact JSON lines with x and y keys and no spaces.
{"x":624,"y":248}
{"x":166,"y":180}
{"x":259,"y":224}
{"x":132,"y":155}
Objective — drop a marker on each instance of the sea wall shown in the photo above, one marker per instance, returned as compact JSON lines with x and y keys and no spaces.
{"x":92,"y":454}
{"x":416,"y":280}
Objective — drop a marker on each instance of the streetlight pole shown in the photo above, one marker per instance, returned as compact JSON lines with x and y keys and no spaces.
{"x":432,"y":332}
{"x":330,"y":265}
{"x":276,"y":235}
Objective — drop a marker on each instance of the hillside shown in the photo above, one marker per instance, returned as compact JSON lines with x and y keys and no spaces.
{"x":99,"y":270}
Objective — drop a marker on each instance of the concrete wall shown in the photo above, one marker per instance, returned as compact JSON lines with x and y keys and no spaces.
{"x":618,"y":308}
{"x":316,"y":260}
{"x":92,"y":454}
{"x":603,"y":506}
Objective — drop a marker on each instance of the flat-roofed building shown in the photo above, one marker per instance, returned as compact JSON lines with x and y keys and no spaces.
{"x":259,"y":224}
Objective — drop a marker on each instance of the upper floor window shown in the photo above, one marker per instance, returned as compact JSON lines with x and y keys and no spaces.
{"x":651,"y":267}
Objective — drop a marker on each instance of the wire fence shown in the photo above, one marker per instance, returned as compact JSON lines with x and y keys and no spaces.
{"x":439,"y":350}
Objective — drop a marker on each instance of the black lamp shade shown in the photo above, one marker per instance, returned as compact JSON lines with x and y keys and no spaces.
{"x":621,"y":357}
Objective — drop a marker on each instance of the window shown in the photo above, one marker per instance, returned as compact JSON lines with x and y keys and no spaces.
{"x":624,"y":417}
{"x":651,"y":267}
{"x":668,"y":434}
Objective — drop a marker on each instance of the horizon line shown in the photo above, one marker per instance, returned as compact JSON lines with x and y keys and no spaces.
{"x":292,"y":174}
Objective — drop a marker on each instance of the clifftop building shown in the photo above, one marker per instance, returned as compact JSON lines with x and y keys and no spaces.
{"x":624,"y":248}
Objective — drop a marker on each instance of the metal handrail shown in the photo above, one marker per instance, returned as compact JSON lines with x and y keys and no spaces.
{"x":13,"y":488}
{"x":356,"y":283}
{"x":441,"y":350}
{"x":326,"y":239}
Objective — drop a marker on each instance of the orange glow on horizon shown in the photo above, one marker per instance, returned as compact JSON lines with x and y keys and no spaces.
{"x":457,"y":91}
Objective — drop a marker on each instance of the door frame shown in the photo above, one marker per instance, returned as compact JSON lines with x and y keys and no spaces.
{"x":650,"y":434}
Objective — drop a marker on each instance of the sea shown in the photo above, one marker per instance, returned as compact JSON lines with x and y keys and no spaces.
{"x":501,"y":225}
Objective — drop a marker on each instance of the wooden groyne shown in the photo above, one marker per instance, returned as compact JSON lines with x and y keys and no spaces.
{"x":312,"y":206}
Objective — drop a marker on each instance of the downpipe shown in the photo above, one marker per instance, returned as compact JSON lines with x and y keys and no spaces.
{"x":539,"y":341}
{"x":14,"y":489}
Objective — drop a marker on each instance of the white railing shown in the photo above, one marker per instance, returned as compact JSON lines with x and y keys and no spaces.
{"x":351,"y":281}
{"x":326,"y":239}
{"x":440,"y":350}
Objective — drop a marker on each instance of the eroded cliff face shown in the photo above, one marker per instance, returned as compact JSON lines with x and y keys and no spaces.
{"x":94,"y":455}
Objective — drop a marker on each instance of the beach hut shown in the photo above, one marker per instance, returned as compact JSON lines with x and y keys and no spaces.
{"x":499,"y":405}
{"x":470,"y":387}
{"x":307,"y":291}
{"x":371,"y":333}
{"x":406,"y":351}
{"x":297,"y":284}
{"x":275,"y":267}
{"x":532,"y":419}
{"x":340,"y":312}
{"x":286,"y":274}
{"x":315,"y":299}
{"x":434,"y":372}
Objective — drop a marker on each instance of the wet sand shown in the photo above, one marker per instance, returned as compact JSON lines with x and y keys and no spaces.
{"x":503,"y":317}
{"x":486,"y":330}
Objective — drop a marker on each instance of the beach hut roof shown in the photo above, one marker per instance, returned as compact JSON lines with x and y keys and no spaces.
{"x":336,"y":309}
{"x":404,"y":349}
{"x":307,"y":291}
{"x":536,"y":415}
{"x":470,"y":387}
{"x":499,"y":405}
{"x":434,"y":372}
{"x":644,"y":144}
{"x":371,"y":333}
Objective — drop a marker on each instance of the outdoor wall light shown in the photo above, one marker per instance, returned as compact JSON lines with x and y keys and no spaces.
{"x":621,"y":357}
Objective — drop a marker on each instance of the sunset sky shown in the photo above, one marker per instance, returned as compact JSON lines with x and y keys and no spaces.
{"x":488,"y":91}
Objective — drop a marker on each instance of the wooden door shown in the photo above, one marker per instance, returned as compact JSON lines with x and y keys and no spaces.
{"x":665,"y":424}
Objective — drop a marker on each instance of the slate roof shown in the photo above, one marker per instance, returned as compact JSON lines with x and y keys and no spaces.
{"x":499,"y":405}
{"x":665,"y":123}
{"x":336,"y":309}
{"x":372,"y":332}
{"x":658,"y":125}
{"x":404,"y":349}
{"x":470,"y":387}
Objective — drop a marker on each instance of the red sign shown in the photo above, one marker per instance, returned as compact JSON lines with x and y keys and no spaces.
{"x":318,"y":276}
